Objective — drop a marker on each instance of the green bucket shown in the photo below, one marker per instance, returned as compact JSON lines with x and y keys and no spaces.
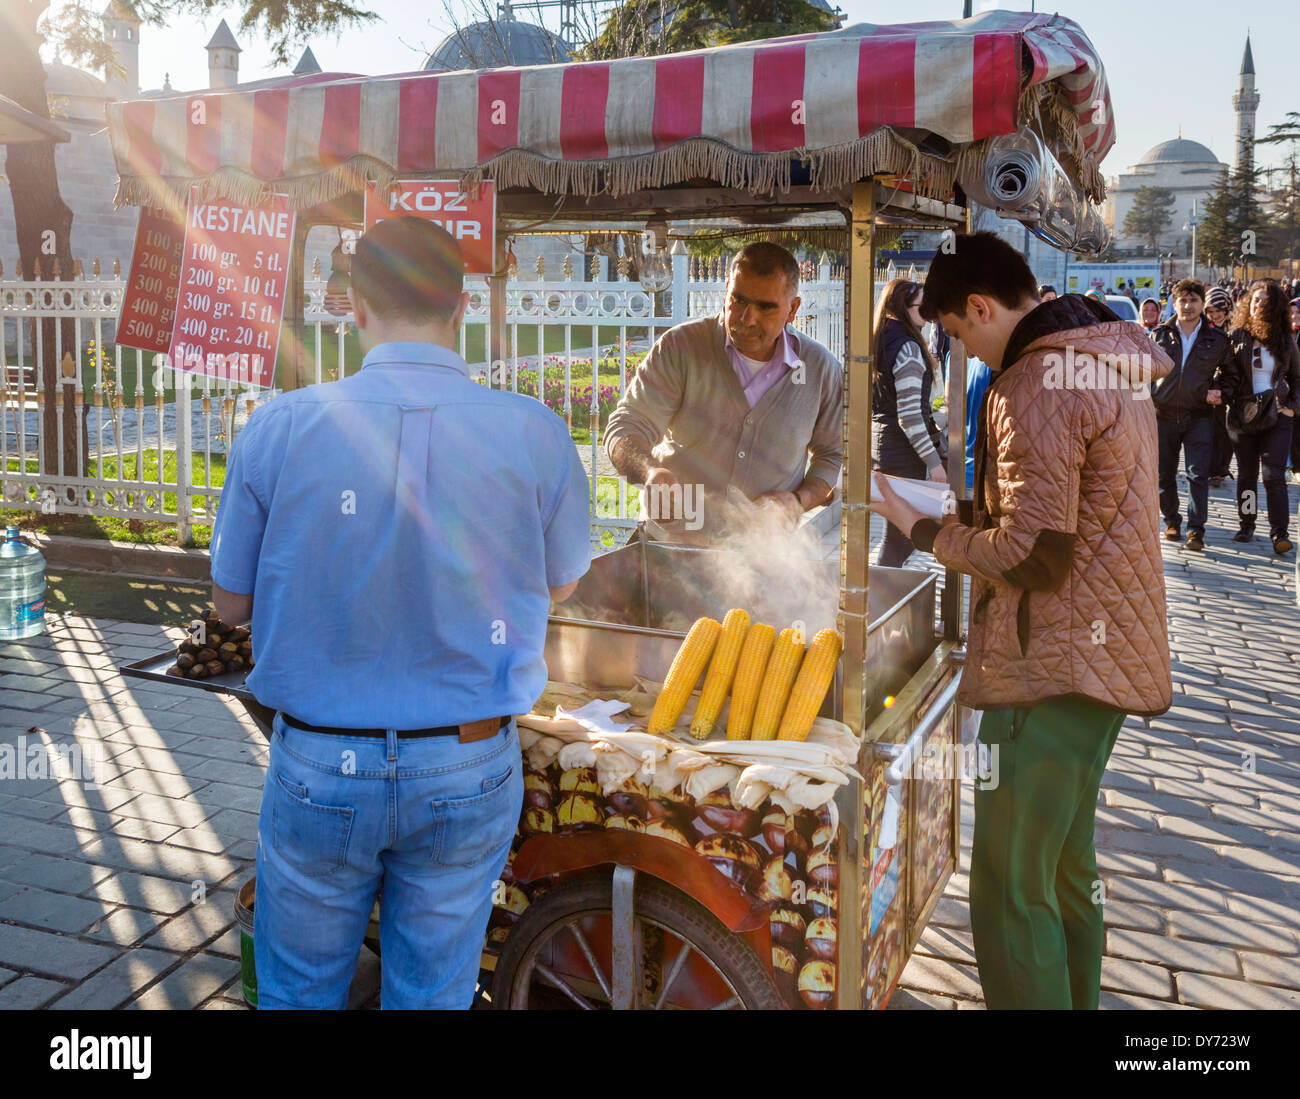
{"x":244,"y":917}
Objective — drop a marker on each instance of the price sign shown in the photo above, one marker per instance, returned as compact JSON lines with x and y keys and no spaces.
{"x":149,"y":304}
{"x":472,"y":221}
{"x":233,"y":276}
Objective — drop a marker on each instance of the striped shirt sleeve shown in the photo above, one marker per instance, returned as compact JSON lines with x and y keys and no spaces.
{"x":909,"y":371}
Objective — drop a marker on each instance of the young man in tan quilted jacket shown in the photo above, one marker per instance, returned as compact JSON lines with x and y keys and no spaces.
{"x":1067,"y":629}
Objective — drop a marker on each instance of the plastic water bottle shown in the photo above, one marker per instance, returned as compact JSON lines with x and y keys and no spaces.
{"x":22,"y":588}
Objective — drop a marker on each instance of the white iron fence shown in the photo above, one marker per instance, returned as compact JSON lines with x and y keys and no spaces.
{"x":127,"y":436}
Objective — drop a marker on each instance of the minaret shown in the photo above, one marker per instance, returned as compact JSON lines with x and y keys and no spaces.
{"x":1245,"y":103}
{"x":122,"y":29}
{"x":223,"y":58}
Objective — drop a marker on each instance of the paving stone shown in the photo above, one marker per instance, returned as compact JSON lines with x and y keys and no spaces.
{"x":951,"y":912}
{"x":54,"y":911}
{"x":130,"y":971}
{"x":1234,"y":930}
{"x":1248,"y":882}
{"x":163,"y":784}
{"x":143,"y":891}
{"x":908,"y":999}
{"x":1158,"y":846}
{"x":1215,"y":792}
{"x":35,"y":809}
{"x":49,"y":954}
{"x":1284,"y":913}
{"x":1264,"y":817}
{"x":1139,"y":917}
{"x":240,"y":774}
{"x":1201,"y":990}
{"x":1123,"y":1001}
{"x":124,"y":926}
{"x":1269,"y":969}
{"x":198,"y":925}
{"x":52,"y":839}
{"x":932,"y":975}
{"x":181,"y":813}
{"x":1155,"y":803}
{"x":1125,"y":862}
{"x":1139,"y":978}
{"x":225,"y":795}
{"x":191,"y":984}
{"x":233,"y":824}
{"x":1214,"y":831}
{"x":944,"y":942}
{"x":162,"y":860}
{"x":1179,"y":954}
{"x":29,"y":993}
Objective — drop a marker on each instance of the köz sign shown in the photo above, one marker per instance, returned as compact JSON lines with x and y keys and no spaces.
{"x":472,"y":221}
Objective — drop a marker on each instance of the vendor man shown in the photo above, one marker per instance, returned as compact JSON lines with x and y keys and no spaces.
{"x":737,"y":405}
{"x":397,"y":537}
{"x":1067,"y":627}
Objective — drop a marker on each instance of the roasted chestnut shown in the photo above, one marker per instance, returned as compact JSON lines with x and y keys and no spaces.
{"x":176,"y":669}
{"x":199,"y":671}
{"x":667,"y":831}
{"x":823,"y":901}
{"x":823,"y":867}
{"x":817,"y":984}
{"x":204,"y":655}
{"x":215,"y":667}
{"x":579,"y":780}
{"x":821,"y":939}
{"x":578,"y":811}
{"x":536,"y":821}
{"x":784,"y":967}
{"x":718,"y":812}
{"x":187,"y":647}
{"x":238,"y":634}
{"x":496,"y":939}
{"x":511,"y":903}
{"x":537,"y":790}
{"x":822,"y":836}
{"x":185,"y":660}
{"x":776,"y":885}
{"x":227,"y":649}
{"x":235,"y":663}
{"x":775,"y":823}
{"x":736,"y":858}
{"x":630,"y":799}
{"x":787,"y":926}
{"x":624,"y":823}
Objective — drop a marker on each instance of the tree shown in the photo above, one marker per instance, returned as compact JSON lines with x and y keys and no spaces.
{"x":648,"y":27}
{"x":42,"y":220}
{"x":1150,"y":214}
{"x":1234,"y":229}
{"x":1286,"y":202}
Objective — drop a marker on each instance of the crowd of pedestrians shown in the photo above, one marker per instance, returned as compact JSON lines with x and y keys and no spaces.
{"x":1233,"y":394}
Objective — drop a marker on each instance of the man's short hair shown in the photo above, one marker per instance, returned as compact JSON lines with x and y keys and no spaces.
{"x":765,"y":258}
{"x":1183,"y":287}
{"x":409,"y":268}
{"x":978,"y":263}
{"x":1046,"y":288}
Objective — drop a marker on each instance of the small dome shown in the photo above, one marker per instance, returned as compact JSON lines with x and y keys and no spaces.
{"x":497,"y":42}
{"x":64,"y":80}
{"x":1179,"y":151}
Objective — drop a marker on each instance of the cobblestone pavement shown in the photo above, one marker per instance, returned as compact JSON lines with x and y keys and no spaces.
{"x":121,"y":894}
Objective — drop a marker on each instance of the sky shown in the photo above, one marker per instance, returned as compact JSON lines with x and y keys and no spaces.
{"x":1169,"y":65}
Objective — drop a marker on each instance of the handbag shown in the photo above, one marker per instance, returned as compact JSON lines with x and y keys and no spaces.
{"x":1256,"y":414}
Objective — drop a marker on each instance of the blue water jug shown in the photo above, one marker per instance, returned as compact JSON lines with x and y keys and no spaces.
{"x":22,"y":588}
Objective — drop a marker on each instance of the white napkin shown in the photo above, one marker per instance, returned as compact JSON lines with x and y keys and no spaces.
{"x":926,"y":496}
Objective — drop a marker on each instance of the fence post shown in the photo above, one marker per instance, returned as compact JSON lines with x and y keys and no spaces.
{"x":681,"y":288}
{"x":184,"y":459}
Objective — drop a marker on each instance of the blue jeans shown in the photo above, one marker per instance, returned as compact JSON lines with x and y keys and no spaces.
{"x":428,"y":819}
{"x":1194,"y":436}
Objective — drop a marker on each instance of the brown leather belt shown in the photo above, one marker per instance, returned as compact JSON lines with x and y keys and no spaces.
{"x":468,"y":731}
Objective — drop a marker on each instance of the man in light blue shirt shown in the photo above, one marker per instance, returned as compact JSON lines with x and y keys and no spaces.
{"x":397,"y":538}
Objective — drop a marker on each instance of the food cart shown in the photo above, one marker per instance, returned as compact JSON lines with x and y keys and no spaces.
{"x":640,"y":896}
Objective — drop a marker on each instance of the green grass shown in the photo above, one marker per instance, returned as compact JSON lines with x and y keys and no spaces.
{"x":98,"y":595}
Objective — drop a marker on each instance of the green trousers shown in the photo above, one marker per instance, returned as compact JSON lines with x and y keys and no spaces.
{"x":1035,"y":894}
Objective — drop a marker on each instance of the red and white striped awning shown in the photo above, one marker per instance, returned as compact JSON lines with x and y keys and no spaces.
{"x":847,"y":103}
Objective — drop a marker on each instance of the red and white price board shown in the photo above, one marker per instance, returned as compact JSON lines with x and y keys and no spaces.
{"x":233,"y":276}
{"x":472,"y":221}
{"x":149,"y":304}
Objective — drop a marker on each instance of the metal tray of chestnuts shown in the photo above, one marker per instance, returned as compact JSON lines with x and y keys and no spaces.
{"x":222,"y":671}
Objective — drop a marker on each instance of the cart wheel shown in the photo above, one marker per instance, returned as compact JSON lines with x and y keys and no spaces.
{"x":559,"y":954}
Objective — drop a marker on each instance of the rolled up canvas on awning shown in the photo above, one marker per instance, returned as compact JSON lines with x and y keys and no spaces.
{"x":918,"y":99}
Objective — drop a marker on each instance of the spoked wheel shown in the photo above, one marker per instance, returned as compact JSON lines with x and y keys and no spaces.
{"x":600,"y":941}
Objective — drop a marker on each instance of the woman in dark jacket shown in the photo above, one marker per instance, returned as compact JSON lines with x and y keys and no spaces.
{"x":1265,"y":359}
{"x":905,"y":439}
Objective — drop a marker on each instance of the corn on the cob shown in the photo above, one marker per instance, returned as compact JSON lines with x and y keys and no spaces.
{"x":815,"y":675}
{"x":722,"y":669}
{"x":749,"y":678}
{"x":685,"y":672}
{"x":777,"y":681}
